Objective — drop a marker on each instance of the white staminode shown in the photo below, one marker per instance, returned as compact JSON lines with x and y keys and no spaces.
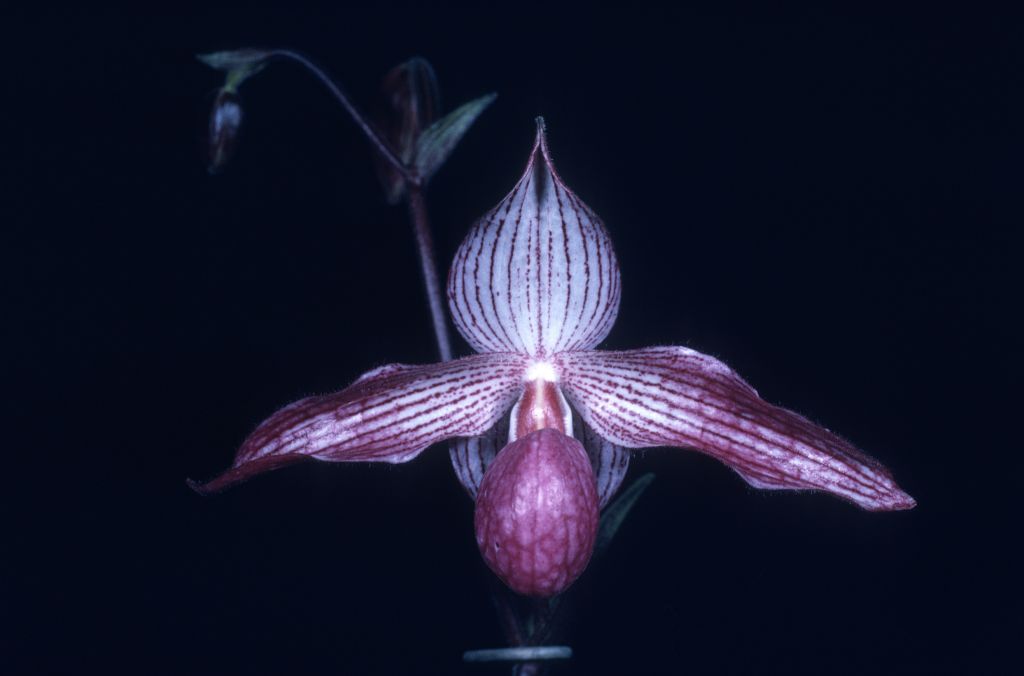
{"x":538,"y":398}
{"x":541,"y":370}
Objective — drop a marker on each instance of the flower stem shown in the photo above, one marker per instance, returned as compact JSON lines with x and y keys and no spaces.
{"x":379,"y":144}
{"x":425,"y":246}
{"x":417,"y":203}
{"x":527,"y":625}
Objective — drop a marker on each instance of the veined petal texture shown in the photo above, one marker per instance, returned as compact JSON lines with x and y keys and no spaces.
{"x":471,"y":456}
{"x":673,"y":396}
{"x":388,"y":415}
{"x":610,"y":462}
{"x":537,"y":274}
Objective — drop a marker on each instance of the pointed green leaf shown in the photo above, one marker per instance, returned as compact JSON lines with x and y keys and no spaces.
{"x":238,"y":64}
{"x":616,"y":512}
{"x":439,"y":140}
{"x":233,"y":59}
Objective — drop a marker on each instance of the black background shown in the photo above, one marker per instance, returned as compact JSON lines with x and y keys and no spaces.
{"x":828,"y":201}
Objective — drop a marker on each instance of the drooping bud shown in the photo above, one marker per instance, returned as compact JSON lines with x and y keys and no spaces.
{"x":412,"y":127}
{"x":226,"y":115}
{"x":537,"y":513}
{"x":413,"y":103}
{"x":225,"y":121}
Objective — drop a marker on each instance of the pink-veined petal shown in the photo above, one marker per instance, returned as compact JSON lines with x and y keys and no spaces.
{"x":389,"y":415}
{"x":537,"y":274}
{"x":472,"y":455}
{"x":610,"y":462}
{"x":672,"y":396}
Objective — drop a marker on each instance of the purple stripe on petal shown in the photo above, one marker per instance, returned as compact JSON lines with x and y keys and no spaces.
{"x":672,"y":396}
{"x":389,"y":415}
{"x":610,"y":462}
{"x":537,"y":274}
{"x":472,"y":455}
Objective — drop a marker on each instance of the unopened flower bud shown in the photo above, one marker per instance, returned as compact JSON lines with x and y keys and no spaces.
{"x":225,"y":121}
{"x":537,"y":513}
{"x":413,"y":103}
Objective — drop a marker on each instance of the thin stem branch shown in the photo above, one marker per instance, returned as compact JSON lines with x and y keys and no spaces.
{"x":425,"y":246}
{"x":417,"y":205}
{"x":382,"y":146}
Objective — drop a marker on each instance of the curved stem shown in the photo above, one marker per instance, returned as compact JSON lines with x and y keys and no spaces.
{"x":417,"y":205}
{"x":425,"y":246}
{"x":375,"y":139}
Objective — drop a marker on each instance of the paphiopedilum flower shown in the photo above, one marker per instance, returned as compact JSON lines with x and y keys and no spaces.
{"x":541,"y":423}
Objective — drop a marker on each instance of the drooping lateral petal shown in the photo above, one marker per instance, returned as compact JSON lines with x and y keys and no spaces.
{"x":673,"y":396}
{"x":472,"y":455}
{"x":537,"y":274}
{"x":610,"y":462}
{"x":388,"y":415}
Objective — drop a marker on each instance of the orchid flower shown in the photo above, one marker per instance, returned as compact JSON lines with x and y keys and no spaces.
{"x":541,"y":424}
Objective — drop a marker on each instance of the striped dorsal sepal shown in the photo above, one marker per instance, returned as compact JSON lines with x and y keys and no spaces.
{"x":537,"y":274}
